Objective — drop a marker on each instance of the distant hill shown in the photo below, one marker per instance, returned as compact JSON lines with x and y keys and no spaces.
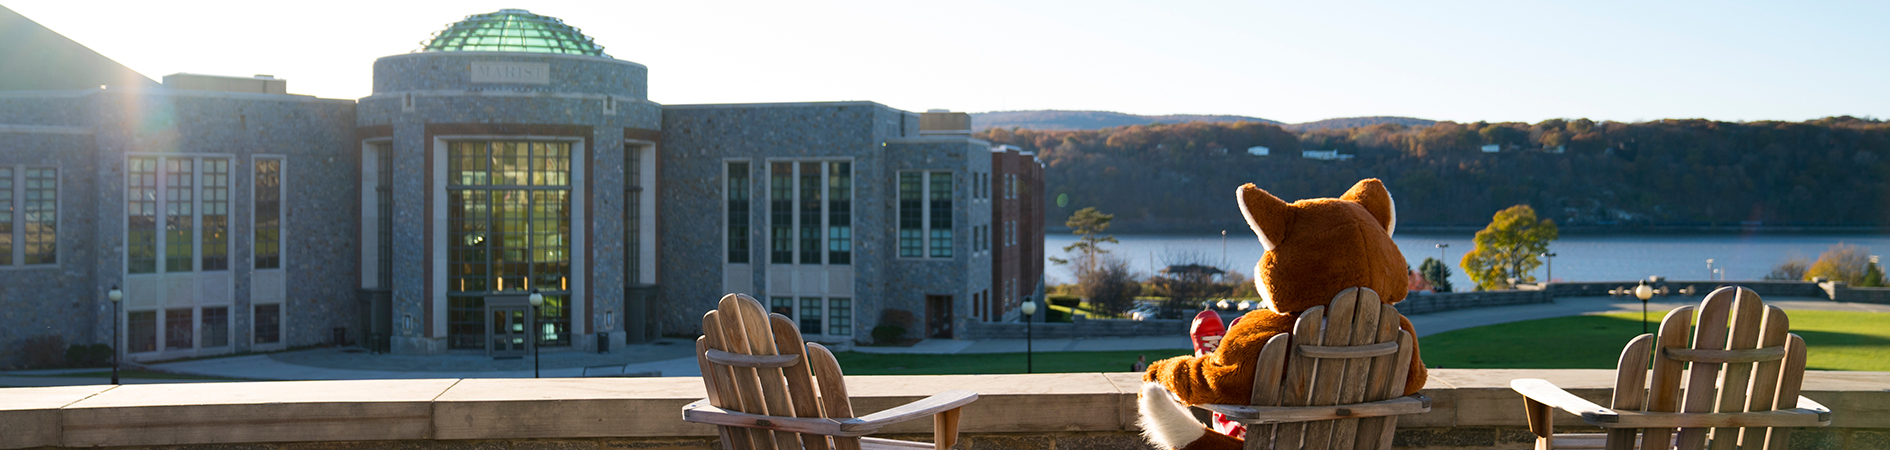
{"x":1355,"y":122}
{"x":1089,"y":120}
{"x":1096,"y":120}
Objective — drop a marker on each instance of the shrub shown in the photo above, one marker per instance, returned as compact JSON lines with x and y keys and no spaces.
{"x":95,"y":355}
{"x":1792,"y":269}
{"x":888,"y":334}
{"x":1847,"y":263}
{"x":45,"y":351}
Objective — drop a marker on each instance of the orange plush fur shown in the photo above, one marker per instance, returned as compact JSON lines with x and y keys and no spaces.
{"x":1315,"y":249}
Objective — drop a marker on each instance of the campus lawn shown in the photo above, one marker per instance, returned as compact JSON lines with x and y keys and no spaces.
{"x":1835,"y":340}
{"x":854,"y":363}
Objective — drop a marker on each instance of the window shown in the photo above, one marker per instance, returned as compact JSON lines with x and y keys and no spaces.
{"x":40,"y":223}
{"x":6,"y":216}
{"x":1010,"y":186}
{"x":383,"y":202}
{"x":177,"y":329}
{"x":141,"y":331}
{"x":810,"y":315}
{"x":911,"y":217}
{"x":781,"y":213}
{"x":188,"y":197}
{"x":941,"y":220}
{"x":141,"y":201}
{"x":268,"y":213}
{"x":782,"y":305}
{"x":839,"y":317}
{"x":508,"y":230}
{"x":632,"y":215}
{"x":268,"y":320}
{"x":840,"y":213}
{"x":810,"y":213}
{"x":1010,"y":233}
{"x":925,"y":214}
{"x":216,"y":327}
{"x":215,"y":234}
{"x":179,"y":177}
{"x":738,"y":213}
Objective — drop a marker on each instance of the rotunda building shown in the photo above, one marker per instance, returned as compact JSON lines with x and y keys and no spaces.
{"x":508,"y":156}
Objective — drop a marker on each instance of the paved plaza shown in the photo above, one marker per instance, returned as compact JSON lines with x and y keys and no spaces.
{"x":676,"y":357}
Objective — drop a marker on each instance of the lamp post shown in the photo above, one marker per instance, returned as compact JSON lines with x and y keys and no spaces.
{"x":1440,"y":252}
{"x":1551,"y":257}
{"x":115,"y":295}
{"x":531,"y":337}
{"x":1709,"y":269}
{"x":1030,"y":309}
{"x":1224,"y":248}
{"x":1644,"y":292}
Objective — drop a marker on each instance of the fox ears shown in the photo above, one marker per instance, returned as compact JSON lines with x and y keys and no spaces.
{"x":1267,"y":215}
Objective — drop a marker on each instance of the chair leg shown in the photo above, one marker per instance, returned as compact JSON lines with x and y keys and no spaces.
{"x":945,"y":429}
{"x":1541,"y":422}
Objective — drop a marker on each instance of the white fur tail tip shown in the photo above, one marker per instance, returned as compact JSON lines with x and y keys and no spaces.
{"x":1164,"y":421}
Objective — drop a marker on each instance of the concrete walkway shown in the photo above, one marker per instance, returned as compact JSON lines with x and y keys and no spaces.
{"x":675,"y":357}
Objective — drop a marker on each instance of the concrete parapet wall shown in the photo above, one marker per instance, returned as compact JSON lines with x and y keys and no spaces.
{"x":1430,"y":303}
{"x":1471,"y":409}
{"x":1079,"y":326}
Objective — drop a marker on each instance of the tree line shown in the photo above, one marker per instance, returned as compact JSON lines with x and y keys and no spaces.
{"x":1161,"y":177}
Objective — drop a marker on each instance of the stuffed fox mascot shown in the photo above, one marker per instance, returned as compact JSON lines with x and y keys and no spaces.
{"x":1315,"y":249}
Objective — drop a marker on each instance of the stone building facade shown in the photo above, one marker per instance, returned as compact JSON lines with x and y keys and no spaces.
{"x":482,"y":170}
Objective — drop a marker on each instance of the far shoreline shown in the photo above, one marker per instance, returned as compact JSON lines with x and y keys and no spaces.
{"x":1586,"y":230}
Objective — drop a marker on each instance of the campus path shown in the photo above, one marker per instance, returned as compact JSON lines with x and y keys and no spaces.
{"x":675,"y":357}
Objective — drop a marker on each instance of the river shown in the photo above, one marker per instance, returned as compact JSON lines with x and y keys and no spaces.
{"x":1596,"y":257}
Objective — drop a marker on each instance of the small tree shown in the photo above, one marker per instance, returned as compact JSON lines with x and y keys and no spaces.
{"x":1437,"y":273}
{"x":1087,"y":224}
{"x":1508,"y":248}
{"x":1793,"y":269}
{"x":1847,"y":263}
{"x":1110,"y":288}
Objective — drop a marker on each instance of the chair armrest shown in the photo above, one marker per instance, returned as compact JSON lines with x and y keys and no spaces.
{"x":1808,"y":414}
{"x":1261,"y":415}
{"x":943,"y":401}
{"x":701,"y":411}
{"x":1544,"y":392}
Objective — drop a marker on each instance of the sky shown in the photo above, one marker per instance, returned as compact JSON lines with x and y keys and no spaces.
{"x":1288,"y":61}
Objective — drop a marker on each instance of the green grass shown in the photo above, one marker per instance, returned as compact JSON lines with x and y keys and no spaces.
{"x":1835,"y":340}
{"x":995,"y":363}
{"x":126,"y":374}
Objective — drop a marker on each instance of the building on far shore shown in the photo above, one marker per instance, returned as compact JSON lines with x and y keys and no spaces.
{"x":484,"y":167}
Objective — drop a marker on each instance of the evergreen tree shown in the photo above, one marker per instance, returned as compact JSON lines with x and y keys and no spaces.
{"x":1437,"y":273}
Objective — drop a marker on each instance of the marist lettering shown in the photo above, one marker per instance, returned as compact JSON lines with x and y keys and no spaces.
{"x":501,"y":72}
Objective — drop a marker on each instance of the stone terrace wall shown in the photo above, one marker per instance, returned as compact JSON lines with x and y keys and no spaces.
{"x":1080,"y":326}
{"x":1430,"y":303}
{"x":1470,"y":409}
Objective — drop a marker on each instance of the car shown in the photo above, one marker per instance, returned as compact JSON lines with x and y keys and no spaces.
{"x":1143,"y":312}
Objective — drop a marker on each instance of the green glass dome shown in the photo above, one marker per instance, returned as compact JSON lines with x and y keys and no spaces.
{"x":513,"y":30}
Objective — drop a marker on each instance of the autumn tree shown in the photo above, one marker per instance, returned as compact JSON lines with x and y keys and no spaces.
{"x":1508,"y":248}
{"x":1847,"y":263}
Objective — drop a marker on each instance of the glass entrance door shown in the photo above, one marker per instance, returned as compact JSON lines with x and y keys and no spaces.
{"x":510,"y":328}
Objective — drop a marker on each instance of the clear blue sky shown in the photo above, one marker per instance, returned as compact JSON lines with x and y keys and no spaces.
{"x":1289,"y":61}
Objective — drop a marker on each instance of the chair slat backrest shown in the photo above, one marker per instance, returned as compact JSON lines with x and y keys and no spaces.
{"x":1338,"y":354}
{"x":1741,"y":358}
{"x":751,"y":377}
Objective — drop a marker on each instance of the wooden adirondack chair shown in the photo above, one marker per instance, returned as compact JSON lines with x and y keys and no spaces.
{"x":1742,"y":371}
{"x":1335,"y":383}
{"x":770,"y":390}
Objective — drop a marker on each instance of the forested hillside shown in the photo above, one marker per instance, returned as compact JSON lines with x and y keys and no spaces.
{"x":1088,"y":120}
{"x":1173,"y":177}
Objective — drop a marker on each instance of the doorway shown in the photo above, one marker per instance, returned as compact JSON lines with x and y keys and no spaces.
{"x":938,"y":316}
{"x":510,"y":325}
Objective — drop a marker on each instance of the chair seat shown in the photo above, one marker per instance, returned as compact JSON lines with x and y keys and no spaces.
{"x":1585,"y":441}
{"x":867,"y":443}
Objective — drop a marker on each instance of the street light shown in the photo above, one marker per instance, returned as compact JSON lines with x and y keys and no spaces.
{"x":536,"y":300}
{"x":1440,"y":252}
{"x":1551,"y":257}
{"x":1709,"y":269}
{"x":1644,"y":292}
{"x":115,"y":295}
{"x":1030,"y":309}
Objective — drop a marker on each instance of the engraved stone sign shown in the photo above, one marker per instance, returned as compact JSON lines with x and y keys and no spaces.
{"x":511,"y":72}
